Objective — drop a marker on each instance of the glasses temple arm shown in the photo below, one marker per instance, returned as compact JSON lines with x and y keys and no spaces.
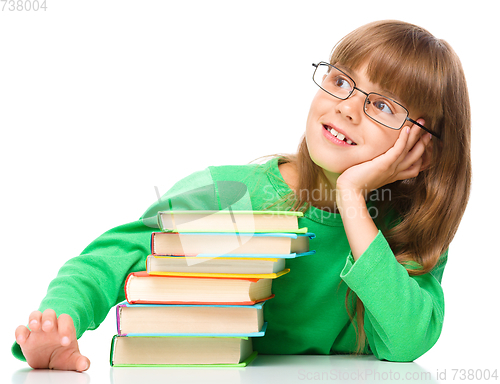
{"x":425,"y":129}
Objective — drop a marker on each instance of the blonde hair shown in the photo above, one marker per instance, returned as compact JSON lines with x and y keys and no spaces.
{"x":427,"y":76}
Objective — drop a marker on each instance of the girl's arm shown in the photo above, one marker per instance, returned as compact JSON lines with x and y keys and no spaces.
{"x":402,"y":161}
{"x":87,"y":286}
{"x":403,"y":314}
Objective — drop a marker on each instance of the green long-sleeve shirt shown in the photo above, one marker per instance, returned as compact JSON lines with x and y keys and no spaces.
{"x":403,"y":314}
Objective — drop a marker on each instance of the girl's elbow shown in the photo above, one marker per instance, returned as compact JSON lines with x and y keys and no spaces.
{"x":400,"y":356}
{"x":409,"y":348}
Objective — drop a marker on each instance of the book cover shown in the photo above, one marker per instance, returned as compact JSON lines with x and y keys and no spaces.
{"x":143,"y":288}
{"x":223,"y":275}
{"x":181,"y":351}
{"x":190,"y":320}
{"x":246,"y":265}
{"x":208,"y":244}
{"x":229,"y":221}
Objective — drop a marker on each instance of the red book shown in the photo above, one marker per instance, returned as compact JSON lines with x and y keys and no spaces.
{"x":142,"y":288}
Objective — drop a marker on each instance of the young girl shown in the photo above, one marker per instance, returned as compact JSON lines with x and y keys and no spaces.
{"x":382,"y":175}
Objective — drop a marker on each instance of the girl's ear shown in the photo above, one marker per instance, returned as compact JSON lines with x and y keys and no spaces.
{"x":427,"y":155}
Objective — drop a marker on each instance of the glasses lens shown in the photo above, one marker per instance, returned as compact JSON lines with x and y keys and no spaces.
{"x":385,"y":111}
{"x":333,"y":81}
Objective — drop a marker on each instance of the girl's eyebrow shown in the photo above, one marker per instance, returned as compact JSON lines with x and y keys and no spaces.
{"x":353,"y":74}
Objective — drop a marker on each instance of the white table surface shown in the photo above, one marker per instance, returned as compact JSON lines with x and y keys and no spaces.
{"x":273,"y":369}
{"x":265,"y":368}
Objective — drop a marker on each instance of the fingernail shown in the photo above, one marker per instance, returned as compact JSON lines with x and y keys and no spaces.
{"x":84,"y":368}
{"x":47,"y":324}
{"x":407,"y":129}
{"x":33,"y":322}
{"x":20,"y":339}
{"x":65,"y":341}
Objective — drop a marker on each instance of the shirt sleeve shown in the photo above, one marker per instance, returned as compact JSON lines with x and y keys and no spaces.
{"x":89,"y":285}
{"x":403,"y":314}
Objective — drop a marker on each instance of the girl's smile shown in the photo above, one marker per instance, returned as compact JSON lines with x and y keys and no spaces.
{"x":336,"y":136}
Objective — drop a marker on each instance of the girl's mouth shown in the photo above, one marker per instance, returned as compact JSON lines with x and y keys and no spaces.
{"x":338,"y":135}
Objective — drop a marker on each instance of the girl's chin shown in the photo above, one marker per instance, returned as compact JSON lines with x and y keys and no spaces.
{"x":329,"y":170}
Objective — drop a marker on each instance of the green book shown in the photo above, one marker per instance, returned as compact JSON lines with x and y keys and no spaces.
{"x":181,"y":351}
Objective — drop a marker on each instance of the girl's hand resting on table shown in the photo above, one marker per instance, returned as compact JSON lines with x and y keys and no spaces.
{"x":51,"y":343}
{"x":402,"y":161}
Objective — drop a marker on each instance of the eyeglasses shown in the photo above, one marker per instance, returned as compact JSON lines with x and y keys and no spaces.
{"x":379,"y":108}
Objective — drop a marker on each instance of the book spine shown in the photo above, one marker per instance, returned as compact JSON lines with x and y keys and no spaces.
{"x":159,"y":221}
{"x":221,"y":275}
{"x":199,"y":302}
{"x":259,"y":333}
{"x":112,"y":350}
{"x":118,"y":316}
{"x":127,"y":281}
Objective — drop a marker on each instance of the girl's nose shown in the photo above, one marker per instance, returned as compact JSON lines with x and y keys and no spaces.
{"x":352,"y":107}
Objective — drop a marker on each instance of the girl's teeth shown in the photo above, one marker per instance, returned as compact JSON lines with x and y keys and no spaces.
{"x":339,"y":136}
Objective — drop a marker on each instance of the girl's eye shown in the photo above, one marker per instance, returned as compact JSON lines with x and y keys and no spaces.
{"x":341,"y":82}
{"x":383,"y":106}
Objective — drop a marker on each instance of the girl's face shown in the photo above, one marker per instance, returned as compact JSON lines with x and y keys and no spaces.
{"x":369,"y":139}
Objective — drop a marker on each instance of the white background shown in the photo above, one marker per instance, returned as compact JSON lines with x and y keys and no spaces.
{"x":101,"y":101}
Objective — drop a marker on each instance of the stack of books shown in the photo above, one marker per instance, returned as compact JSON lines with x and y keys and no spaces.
{"x":200,"y":300}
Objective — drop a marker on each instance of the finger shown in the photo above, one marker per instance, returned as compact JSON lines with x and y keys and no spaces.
{"x":49,"y":320}
{"x":411,"y":157}
{"x":67,"y":332}
{"x":22,"y":334}
{"x":35,"y":320}
{"x":414,"y":154}
{"x":415,"y":135}
{"x":66,"y":329}
{"x":73,"y":361}
{"x":411,"y":171}
{"x":417,"y":128}
{"x":427,"y":139}
{"x":394,"y":153}
{"x":391,"y":159}
{"x":82,"y":363}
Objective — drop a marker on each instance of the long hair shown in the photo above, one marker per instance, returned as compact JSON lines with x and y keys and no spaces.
{"x":426,"y":75}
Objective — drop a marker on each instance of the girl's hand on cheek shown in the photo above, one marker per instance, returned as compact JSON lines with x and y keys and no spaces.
{"x":400,"y":162}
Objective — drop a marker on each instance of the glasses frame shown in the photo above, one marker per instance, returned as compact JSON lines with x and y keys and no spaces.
{"x":367,"y":101}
